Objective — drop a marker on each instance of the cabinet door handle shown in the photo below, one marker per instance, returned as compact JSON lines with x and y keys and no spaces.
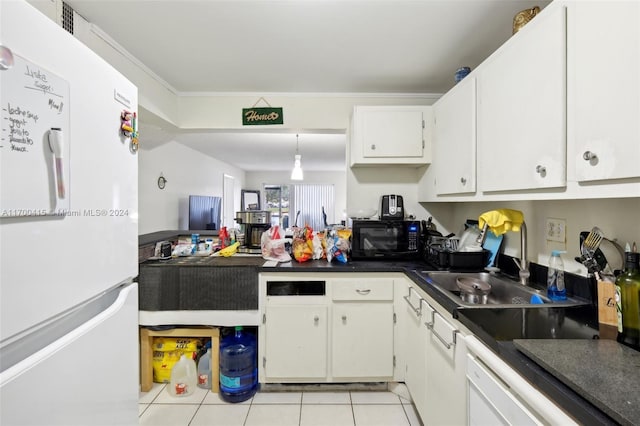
{"x":373,"y":147}
{"x":344,"y":318}
{"x":430,"y":324}
{"x":588,"y":156}
{"x":541,"y":170}
{"x":407,"y":298}
{"x":316,"y":319}
{"x":463,"y":181}
{"x":363,"y":292}
{"x":444,"y":342}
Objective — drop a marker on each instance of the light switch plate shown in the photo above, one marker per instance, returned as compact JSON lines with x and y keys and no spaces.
{"x":555,"y":230}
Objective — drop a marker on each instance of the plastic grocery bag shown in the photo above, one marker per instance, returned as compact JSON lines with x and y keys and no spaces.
{"x":337,"y":246}
{"x":306,"y":245}
{"x":273,"y":245}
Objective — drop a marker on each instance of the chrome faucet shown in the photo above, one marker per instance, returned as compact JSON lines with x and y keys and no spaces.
{"x":523,"y":264}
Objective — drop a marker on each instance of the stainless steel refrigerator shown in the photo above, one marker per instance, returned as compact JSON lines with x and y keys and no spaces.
{"x":68,"y":229}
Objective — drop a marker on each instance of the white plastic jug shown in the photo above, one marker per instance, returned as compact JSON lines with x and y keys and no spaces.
{"x":183,"y":377}
{"x":204,"y":370}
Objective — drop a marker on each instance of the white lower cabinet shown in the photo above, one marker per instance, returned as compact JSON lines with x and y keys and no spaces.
{"x":415,"y":336}
{"x":436,"y":370}
{"x":296,"y":341}
{"x":326,"y":327}
{"x":446,"y":373}
{"x":362,"y":340}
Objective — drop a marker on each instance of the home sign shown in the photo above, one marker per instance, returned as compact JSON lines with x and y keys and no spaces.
{"x":261,"y":116}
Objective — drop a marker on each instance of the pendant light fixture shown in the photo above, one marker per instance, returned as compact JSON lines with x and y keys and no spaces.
{"x":296,"y":173}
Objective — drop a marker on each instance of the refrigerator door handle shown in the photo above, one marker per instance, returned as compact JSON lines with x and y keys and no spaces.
{"x":22,"y":354}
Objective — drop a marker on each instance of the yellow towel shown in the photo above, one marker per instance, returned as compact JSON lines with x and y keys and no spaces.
{"x":502,"y":220}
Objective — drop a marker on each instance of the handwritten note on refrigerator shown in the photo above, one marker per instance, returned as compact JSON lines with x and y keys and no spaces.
{"x":34,"y":141}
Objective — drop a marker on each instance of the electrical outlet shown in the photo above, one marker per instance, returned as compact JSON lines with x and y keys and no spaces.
{"x":555,"y":229}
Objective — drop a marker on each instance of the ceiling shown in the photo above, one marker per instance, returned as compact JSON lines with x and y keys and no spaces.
{"x":299,"y":46}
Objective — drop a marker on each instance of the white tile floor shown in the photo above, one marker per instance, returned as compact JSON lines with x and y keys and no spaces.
{"x":203,"y":408}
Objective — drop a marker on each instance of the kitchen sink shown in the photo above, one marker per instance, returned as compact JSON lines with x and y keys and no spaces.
{"x":505,"y":291}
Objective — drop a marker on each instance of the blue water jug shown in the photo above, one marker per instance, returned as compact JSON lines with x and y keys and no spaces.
{"x":238,"y":366}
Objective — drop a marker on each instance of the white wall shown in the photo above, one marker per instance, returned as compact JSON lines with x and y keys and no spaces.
{"x":366,"y":185}
{"x":256,"y":180}
{"x":618,"y":219}
{"x":331,"y":111}
{"x":188,"y":172}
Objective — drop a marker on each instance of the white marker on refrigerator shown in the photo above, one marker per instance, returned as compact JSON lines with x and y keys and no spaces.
{"x":56,"y":144}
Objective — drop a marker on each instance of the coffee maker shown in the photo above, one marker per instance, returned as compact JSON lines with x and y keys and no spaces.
{"x":252,"y":224}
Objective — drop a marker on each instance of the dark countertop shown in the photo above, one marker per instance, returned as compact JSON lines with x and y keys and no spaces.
{"x":293,"y":266}
{"x":586,"y":366}
{"x":154,"y":237}
{"x":497,"y":328}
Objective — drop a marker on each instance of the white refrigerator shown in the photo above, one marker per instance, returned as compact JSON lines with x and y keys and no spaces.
{"x":68,"y":230}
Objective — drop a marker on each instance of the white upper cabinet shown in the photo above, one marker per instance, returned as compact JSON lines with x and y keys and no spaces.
{"x":389,"y":135}
{"x":521,"y":109}
{"x":604,"y":90}
{"x":454,"y":141}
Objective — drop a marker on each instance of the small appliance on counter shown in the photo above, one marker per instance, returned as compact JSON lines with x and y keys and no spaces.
{"x":391,"y":207}
{"x":163,"y":250}
{"x":252,"y":224}
{"x":462,"y":253}
{"x":386,"y":239}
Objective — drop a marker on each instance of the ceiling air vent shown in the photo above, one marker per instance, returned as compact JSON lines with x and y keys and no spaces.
{"x":67,"y":17}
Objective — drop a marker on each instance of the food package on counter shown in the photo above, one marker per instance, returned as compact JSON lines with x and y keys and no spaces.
{"x":337,"y":246}
{"x":167,"y":352}
{"x":306,"y":245}
{"x":183,"y":250}
{"x":273,"y":245}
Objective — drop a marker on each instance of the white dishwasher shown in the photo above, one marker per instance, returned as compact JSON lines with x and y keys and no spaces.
{"x":499,"y":395}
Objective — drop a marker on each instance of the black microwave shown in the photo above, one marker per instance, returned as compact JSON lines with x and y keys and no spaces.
{"x":385,"y":239}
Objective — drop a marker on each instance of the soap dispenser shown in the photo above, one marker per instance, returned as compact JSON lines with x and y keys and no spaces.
{"x":555,"y":277}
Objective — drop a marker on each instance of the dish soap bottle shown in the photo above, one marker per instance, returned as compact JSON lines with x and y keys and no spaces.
{"x":628,"y":284}
{"x":555,"y":277}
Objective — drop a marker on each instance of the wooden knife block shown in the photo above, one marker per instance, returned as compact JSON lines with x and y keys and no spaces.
{"x":607,"y":315}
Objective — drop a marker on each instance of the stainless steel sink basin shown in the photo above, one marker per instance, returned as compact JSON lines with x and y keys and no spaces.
{"x":505,"y":292}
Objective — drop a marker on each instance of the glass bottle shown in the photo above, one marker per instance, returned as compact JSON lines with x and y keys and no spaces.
{"x":628,"y":283}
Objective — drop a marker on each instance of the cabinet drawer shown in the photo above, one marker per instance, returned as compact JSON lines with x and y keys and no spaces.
{"x":362,"y":290}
